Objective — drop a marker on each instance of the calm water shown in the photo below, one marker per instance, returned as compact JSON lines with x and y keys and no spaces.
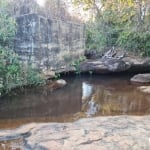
{"x":83,"y":96}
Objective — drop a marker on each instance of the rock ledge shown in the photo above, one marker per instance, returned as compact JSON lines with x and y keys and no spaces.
{"x":101,"y":133}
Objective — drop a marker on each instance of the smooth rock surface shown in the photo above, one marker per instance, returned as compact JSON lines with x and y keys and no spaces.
{"x":144,"y":89}
{"x":101,"y":133}
{"x":96,"y":66}
{"x":52,"y":85}
{"x":141,"y":78}
{"x":109,"y":65}
{"x":117,"y":65}
{"x":61,"y":82}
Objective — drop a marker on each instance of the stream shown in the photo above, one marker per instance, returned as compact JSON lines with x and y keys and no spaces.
{"x":83,"y":96}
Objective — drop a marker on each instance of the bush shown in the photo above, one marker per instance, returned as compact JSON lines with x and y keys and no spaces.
{"x":9,"y":69}
{"x":135,"y":41}
{"x":7,"y":24}
{"x":14,"y":74}
{"x":122,"y":24}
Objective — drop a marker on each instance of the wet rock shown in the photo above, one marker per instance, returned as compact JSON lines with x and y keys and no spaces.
{"x":61,"y":82}
{"x":52,"y":85}
{"x":100,"y":133}
{"x":144,"y":89}
{"x":141,"y":78}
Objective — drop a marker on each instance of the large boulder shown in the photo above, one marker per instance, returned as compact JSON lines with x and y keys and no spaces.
{"x":141,"y":78}
{"x":105,"y":66}
{"x":116,"y":61}
{"x":96,"y":66}
{"x":138,"y":64}
{"x":117,"y":65}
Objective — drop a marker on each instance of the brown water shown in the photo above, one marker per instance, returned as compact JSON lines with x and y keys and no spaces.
{"x":83,"y":96}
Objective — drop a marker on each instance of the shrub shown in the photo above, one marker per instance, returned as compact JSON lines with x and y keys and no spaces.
{"x":14,"y":74}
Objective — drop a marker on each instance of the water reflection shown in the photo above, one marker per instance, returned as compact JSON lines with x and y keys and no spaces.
{"x":82,"y":97}
{"x":86,"y":90}
{"x":89,"y":106}
{"x":113,"y":100}
{"x":93,"y":108}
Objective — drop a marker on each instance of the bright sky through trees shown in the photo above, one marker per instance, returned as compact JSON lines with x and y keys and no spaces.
{"x":41,"y":2}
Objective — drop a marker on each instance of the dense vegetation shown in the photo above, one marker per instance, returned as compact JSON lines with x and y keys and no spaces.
{"x":122,"y":24}
{"x":12,"y":72}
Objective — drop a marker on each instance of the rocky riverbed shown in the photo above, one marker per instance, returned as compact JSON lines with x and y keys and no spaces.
{"x":100,"y":133}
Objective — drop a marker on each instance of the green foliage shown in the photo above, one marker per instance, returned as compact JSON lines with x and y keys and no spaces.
{"x":9,"y":69}
{"x":76,"y":64}
{"x":12,"y":72}
{"x":32,"y":77}
{"x":118,"y":23}
{"x":7,"y":24}
{"x":57,"y":75}
{"x":95,"y":37}
{"x":135,"y":41}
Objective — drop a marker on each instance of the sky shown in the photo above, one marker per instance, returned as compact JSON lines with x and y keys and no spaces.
{"x":41,"y":2}
{"x":77,"y":12}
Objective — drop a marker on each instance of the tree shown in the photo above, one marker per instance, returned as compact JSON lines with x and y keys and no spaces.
{"x":93,"y":6}
{"x":7,"y":32}
{"x":7,"y":24}
{"x":119,"y":23}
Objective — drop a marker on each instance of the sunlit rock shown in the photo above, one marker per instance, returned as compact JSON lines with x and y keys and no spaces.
{"x":52,"y":85}
{"x":61,"y":82}
{"x":91,"y":133}
{"x":145,"y":89}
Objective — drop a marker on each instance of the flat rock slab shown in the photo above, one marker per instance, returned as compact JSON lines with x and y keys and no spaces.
{"x":100,"y":133}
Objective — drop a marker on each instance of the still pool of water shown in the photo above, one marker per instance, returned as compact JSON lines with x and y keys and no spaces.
{"x":84,"y":96}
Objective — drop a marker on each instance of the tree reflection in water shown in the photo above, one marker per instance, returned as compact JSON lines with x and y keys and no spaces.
{"x":99,"y":99}
{"x":88,"y":104}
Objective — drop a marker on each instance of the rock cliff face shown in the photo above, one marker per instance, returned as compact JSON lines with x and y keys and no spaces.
{"x":48,"y":44}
